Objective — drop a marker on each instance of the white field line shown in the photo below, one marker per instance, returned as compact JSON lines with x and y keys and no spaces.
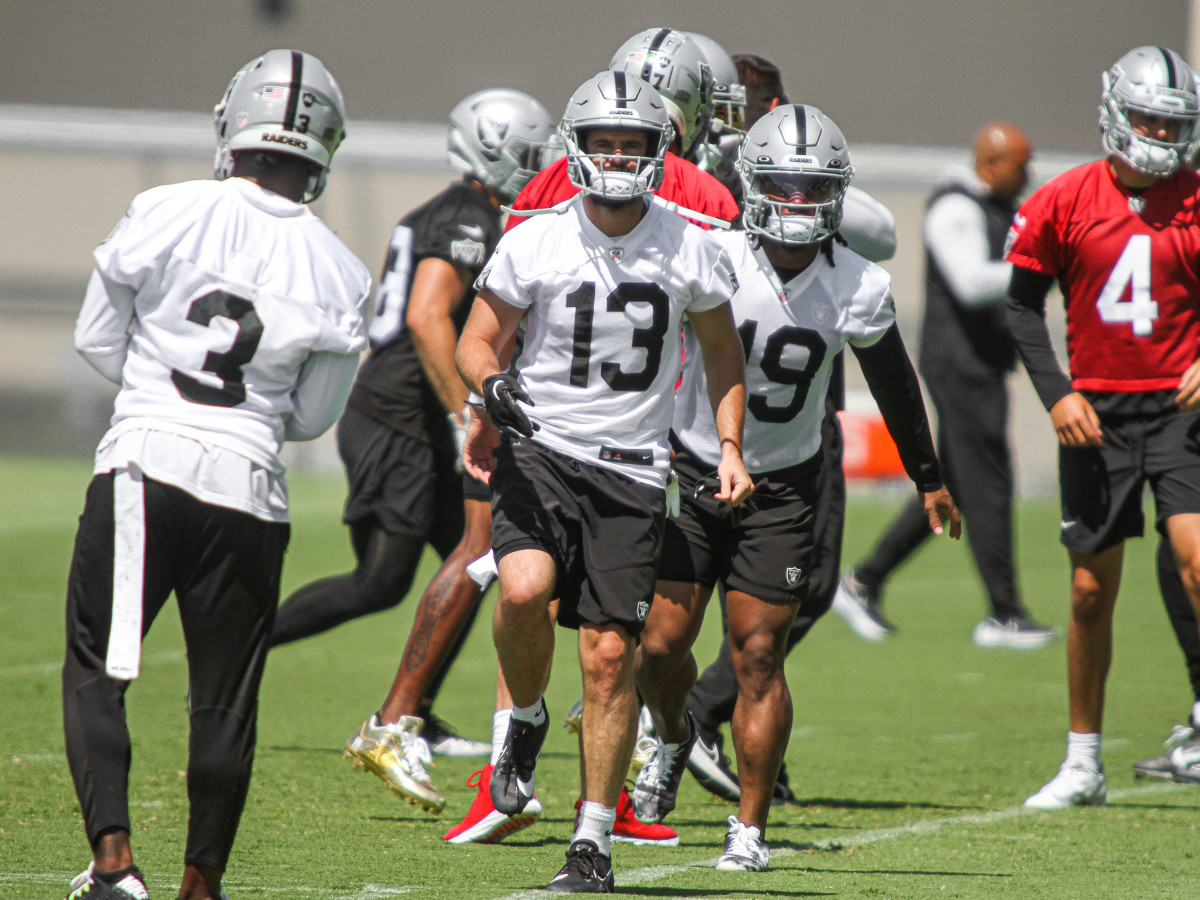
{"x":644,"y":875}
{"x":927,"y":826}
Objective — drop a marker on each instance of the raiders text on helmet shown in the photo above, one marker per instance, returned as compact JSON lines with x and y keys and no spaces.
{"x":795,"y":169}
{"x":285,"y":101}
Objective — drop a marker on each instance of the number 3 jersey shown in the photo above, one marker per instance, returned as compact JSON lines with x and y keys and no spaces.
{"x":1129,"y":268}
{"x":791,"y":334}
{"x":232,"y":318}
{"x":603,"y":329}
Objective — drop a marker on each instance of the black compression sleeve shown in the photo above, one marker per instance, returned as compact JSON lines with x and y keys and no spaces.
{"x":893,"y":383}
{"x":1026,"y":308}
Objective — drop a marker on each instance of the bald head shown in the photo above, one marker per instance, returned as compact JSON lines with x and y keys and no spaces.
{"x":1002,"y":152}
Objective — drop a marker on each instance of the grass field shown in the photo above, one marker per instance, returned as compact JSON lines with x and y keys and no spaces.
{"x":911,"y":758}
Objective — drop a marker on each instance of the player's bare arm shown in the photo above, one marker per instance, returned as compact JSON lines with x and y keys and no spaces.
{"x":490,"y":328}
{"x":725,"y":368}
{"x":437,"y":289}
{"x":481,"y":442}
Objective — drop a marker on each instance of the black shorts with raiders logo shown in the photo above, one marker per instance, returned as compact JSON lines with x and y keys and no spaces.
{"x":407,"y":485}
{"x":603,"y":530}
{"x":1101,"y":487}
{"x":766,"y":549}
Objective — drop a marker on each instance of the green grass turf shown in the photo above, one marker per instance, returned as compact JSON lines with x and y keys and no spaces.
{"x":911,"y":758}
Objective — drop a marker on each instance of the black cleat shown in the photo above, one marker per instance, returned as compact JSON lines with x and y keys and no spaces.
{"x":512,"y":776}
{"x":588,"y":871}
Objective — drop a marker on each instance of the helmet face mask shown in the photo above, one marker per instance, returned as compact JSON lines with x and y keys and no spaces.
{"x":501,"y":138}
{"x":615,"y":101}
{"x":795,"y":170}
{"x":675,"y":66}
{"x":284,"y":101}
{"x":1156,"y":83}
{"x":729,"y":94}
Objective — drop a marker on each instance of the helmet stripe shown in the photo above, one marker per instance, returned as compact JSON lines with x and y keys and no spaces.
{"x":655,"y":43}
{"x":801,"y":127}
{"x":622,"y":89}
{"x":289,"y":117}
{"x":1170,"y":67}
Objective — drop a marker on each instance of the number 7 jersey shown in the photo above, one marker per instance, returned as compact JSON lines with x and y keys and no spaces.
{"x":1129,"y":268}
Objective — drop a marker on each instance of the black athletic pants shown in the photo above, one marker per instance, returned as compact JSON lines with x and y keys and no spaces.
{"x":224,"y":568}
{"x":715,"y":694}
{"x":977,"y":468}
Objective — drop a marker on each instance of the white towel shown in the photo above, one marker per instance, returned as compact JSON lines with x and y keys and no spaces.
{"x":129,"y":559}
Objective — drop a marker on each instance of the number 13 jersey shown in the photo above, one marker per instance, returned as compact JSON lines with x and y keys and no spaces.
{"x":1129,"y":268}
{"x":603,"y":329}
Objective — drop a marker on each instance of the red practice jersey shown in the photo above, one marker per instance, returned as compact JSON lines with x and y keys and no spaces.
{"x":1129,"y":268}
{"x":682,"y":183}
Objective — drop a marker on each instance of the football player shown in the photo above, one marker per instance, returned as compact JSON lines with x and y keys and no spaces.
{"x":578,"y":500}
{"x":1121,"y":236}
{"x":674,"y":65}
{"x":232,"y":318}
{"x":802,"y":297}
{"x":397,"y":438}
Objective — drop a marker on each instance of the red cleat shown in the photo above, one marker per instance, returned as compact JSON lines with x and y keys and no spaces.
{"x":484,"y":824}
{"x":628,"y":830}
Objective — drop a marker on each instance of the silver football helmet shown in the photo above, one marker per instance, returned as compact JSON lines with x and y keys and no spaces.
{"x":502,"y":138}
{"x":795,"y":169}
{"x":675,"y":66}
{"x":729,"y":94}
{"x":285,"y":101}
{"x":619,"y":101}
{"x":1156,"y":82}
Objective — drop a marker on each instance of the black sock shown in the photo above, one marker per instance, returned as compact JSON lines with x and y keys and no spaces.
{"x":114,"y":877}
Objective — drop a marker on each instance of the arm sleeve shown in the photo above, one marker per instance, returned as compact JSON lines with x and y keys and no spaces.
{"x":102,"y":329}
{"x":955,"y":233}
{"x":893,"y":383}
{"x":1026,"y":310}
{"x":320,"y":394}
{"x":868,"y":226}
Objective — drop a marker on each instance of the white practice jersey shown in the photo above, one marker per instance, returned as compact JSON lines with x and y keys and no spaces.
{"x":603,"y":329}
{"x":790,"y":344}
{"x":231,"y":317}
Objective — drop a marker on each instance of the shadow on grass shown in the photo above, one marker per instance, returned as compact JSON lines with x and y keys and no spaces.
{"x":931,"y":872}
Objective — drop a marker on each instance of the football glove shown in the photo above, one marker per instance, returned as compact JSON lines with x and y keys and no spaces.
{"x":500,"y":396}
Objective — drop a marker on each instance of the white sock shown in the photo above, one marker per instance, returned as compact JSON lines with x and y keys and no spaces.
{"x":534,"y":715}
{"x":1084,"y":748}
{"x":500,"y":721}
{"x":1195,"y":723}
{"x":596,"y":825}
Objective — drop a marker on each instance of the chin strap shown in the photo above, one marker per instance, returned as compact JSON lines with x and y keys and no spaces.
{"x":560,"y":208}
{"x":691,"y":213}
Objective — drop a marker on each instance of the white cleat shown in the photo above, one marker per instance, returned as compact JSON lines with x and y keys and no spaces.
{"x":745,"y":850}
{"x":1075,"y":784}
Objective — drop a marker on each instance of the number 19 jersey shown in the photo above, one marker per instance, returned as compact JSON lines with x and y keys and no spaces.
{"x":791,"y":334}
{"x":602,"y":333}
{"x":1129,"y":268}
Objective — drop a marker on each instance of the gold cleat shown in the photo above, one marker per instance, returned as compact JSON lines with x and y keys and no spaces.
{"x":397,"y":754}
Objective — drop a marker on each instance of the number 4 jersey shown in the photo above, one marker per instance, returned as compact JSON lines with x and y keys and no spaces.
{"x":231,"y":317}
{"x":602,"y":332}
{"x":1129,"y":268}
{"x":791,"y":334}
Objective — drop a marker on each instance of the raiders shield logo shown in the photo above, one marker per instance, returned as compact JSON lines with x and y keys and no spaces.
{"x":792,"y":574}
{"x":616,"y":253}
{"x":643,"y":609}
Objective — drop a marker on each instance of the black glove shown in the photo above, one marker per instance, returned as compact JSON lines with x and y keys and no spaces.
{"x":500,"y":396}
